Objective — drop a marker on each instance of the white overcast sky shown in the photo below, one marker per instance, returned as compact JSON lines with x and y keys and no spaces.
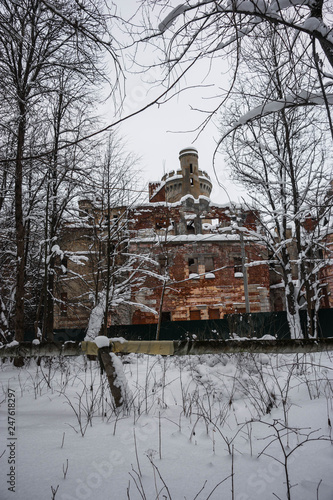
{"x":159,"y":133}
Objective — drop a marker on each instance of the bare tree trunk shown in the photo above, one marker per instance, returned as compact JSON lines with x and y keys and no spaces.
{"x":49,"y":317}
{"x":158,"y":329}
{"x":108,"y":256}
{"x":20,"y":231}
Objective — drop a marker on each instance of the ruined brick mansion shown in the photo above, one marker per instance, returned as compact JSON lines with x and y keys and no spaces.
{"x":191,"y":259}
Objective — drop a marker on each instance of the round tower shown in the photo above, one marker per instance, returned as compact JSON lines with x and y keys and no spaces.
{"x":188,"y":158}
{"x":188,"y":180}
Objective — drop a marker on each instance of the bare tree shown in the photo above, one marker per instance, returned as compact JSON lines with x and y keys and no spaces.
{"x":117,"y":189}
{"x":103,"y":235}
{"x":282,"y":160}
{"x":67,"y":171}
{"x":216,"y":30}
{"x":36,"y":37}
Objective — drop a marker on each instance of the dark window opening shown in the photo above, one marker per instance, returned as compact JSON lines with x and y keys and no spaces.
{"x":166,"y":316}
{"x":190,"y":227}
{"x":191,"y":168}
{"x":193,"y":265}
{"x":238,"y":267}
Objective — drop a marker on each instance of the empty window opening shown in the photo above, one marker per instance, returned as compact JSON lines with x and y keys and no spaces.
{"x":191,"y":181}
{"x":191,"y":168}
{"x":190,"y":227}
{"x":166,"y":316}
{"x":193,"y":265}
{"x":238,"y":267}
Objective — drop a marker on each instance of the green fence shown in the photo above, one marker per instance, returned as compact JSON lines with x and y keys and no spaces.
{"x":242,"y":325}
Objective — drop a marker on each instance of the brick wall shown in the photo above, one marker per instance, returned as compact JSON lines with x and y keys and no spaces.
{"x":211,"y":294}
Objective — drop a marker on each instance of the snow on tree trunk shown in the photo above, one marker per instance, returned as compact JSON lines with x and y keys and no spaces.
{"x":116,"y":377}
{"x":294,"y":323}
{"x":96,"y":318}
{"x":292,"y":308}
{"x":120,"y":380}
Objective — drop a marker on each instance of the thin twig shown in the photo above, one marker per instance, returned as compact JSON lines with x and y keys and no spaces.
{"x":136,"y":453}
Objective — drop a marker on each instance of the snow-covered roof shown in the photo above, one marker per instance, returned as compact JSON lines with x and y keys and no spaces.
{"x":174,"y":177}
{"x":187,"y":150}
{"x":158,"y":188}
{"x":191,"y":238}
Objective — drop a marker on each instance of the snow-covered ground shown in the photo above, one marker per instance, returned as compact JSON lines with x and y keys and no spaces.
{"x":196,"y":427}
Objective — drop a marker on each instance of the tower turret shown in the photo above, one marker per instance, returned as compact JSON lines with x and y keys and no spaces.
{"x":188,"y":180}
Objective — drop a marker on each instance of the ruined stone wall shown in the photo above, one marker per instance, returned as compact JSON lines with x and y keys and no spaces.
{"x":75,"y":277}
{"x":204,"y":266}
{"x":208,"y":294}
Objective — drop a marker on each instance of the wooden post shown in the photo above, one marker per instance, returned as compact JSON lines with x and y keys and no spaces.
{"x":111,"y":373}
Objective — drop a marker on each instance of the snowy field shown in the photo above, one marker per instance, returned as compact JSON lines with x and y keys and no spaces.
{"x":232,"y":427}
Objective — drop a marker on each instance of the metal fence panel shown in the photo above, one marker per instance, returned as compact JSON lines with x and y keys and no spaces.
{"x":243,"y":325}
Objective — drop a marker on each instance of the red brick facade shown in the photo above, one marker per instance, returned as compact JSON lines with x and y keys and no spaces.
{"x":190,"y":244}
{"x":193,"y":241}
{"x":204,"y":280}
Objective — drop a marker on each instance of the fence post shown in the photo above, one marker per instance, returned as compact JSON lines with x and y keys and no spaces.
{"x":111,"y":373}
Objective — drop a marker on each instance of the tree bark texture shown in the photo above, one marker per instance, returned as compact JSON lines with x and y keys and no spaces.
{"x":116,"y":390}
{"x":20,"y":232}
